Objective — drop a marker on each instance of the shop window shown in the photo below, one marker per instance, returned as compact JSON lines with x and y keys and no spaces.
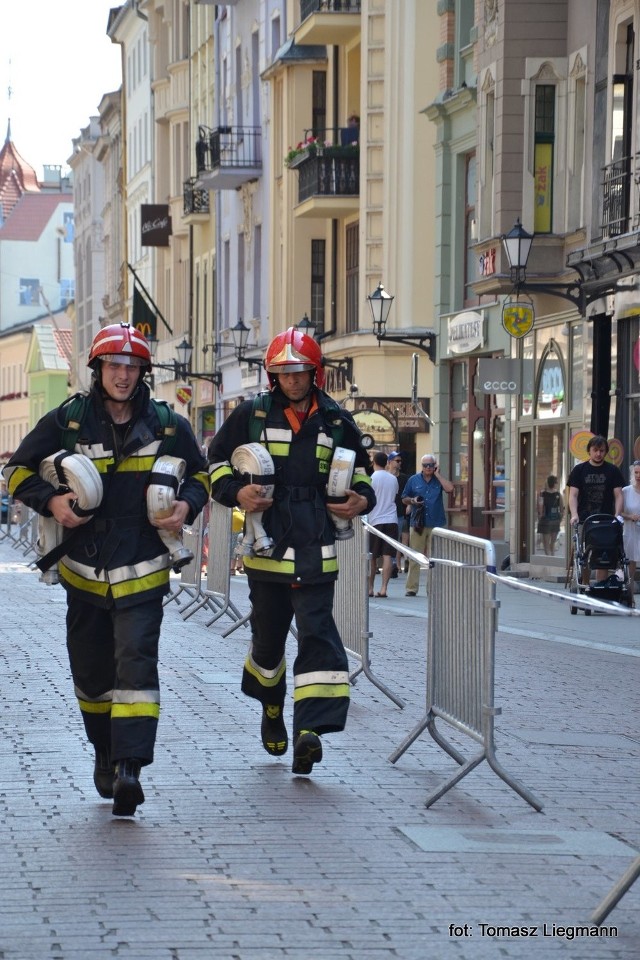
{"x":526,"y":400}
{"x":545,"y":119}
{"x":551,"y":396}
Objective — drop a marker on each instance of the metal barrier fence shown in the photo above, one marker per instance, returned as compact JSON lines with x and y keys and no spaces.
{"x":218,"y":589}
{"x":616,"y":893}
{"x":216,"y":595}
{"x":191,"y":574}
{"x":351,"y":605}
{"x":461,"y":628}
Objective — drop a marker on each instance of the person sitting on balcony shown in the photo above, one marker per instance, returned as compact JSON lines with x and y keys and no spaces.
{"x":350,"y":133}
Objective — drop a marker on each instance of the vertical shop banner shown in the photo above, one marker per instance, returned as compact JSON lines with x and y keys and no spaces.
{"x":543,"y":178}
{"x":155,"y":224}
{"x":144,"y":318}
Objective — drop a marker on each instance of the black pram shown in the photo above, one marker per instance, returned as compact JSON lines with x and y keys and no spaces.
{"x":600,"y":546}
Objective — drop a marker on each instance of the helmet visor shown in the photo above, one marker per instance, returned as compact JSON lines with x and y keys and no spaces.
{"x":126,"y":359}
{"x":289,"y":367}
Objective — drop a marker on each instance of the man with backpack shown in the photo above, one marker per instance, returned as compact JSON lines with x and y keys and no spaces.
{"x":300,"y":426}
{"x":113,"y":564}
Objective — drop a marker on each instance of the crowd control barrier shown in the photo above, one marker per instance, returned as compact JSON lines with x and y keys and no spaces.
{"x":461,"y":628}
{"x":218,"y":589}
{"x":190,"y":582}
{"x":351,"y":604}
{"x":616,"y":893}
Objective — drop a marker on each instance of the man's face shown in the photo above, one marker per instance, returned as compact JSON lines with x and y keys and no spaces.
{"x":119,"y":380}
{"x":395,"y":465}
{"x":597,"y":455}
{"x":296,"y":386}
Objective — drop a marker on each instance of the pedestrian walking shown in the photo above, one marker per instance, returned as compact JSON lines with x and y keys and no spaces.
{"x":595,"y":486}
{"x":423,"y":493}
{"x":394,"y":466}
{"x":384,"y":518}
{"x":300,"y":426}
{"x":630,"y":513}
{"x":114,"y":565}
{"x":550,"y":511}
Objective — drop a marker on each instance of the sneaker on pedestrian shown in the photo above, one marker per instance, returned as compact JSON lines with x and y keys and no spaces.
{"x":410,"y":593}
{"x":394,"y":571}
{"x":275,"y":739}
{"x":103,"y":774}
{"x":127,"y":792}
{"x":306,"y":752}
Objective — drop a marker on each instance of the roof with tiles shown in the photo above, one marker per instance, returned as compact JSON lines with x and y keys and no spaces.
{"x":17,"y":177}
{"x":51,"y":344}
{"x":31,"y":215}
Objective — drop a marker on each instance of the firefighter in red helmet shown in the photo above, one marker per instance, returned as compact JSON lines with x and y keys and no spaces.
{"x":114,"y":565}
{"x":300,"y":426}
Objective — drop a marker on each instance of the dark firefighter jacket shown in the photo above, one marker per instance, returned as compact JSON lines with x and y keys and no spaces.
{"x":298,"y":522}
{"x":117,"y":557}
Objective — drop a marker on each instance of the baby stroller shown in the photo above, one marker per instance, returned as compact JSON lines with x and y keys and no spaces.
{"x":601,"y":547}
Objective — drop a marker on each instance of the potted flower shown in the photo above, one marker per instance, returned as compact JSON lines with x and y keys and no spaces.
{"x":308,"y":147}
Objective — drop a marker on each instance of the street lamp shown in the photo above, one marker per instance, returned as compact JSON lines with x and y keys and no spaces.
{"x":240,"y":334}
{"x":380,"y":304}
{"x":517,"y":245}
{"x":181,"y":367}
{"x":342,"y":364}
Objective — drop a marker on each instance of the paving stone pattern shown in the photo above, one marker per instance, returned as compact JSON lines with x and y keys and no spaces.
{"x":233,"y":857}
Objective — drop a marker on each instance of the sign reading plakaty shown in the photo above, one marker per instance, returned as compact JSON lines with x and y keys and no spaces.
{"x":380,"y":418}
{"x":505,"y":375}
{"x":465,"y":332}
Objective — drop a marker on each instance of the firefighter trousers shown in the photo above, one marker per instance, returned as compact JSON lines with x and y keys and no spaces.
{"x":321,"y":667}
{"x":113,"y":655}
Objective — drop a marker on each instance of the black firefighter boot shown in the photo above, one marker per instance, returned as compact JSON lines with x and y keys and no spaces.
{"x":127,"y":792}
{"x":103,"y":774}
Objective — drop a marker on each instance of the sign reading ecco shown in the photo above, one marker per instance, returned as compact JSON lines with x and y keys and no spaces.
{"x":499,"y":386}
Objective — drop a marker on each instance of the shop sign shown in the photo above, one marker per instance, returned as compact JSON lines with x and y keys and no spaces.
{"x":398,"y":410}
{"x":184,"y":392}
{"x":505,"y":375}
{"x":518,"y":316}
{"x":465,"y":332}
{"x":155,"y":224}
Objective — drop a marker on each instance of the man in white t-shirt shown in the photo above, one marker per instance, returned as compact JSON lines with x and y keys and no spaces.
{"x":384,"y":518}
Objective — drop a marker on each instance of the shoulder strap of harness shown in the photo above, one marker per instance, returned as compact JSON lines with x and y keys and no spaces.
{"x":73,"y":413}
{"x":75,"y":408}
{"x":260,"y":412}
{"x":169,"y":425}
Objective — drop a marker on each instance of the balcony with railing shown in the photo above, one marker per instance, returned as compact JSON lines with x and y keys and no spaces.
{"x":227,"y":157}
{"x":195,"y":201}
{"x":330,"y":22}
{"x":616,"y":195}
{"x":328,"y":167}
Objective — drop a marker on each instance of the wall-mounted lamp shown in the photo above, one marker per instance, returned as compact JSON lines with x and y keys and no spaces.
{"x":517,"y":246}
{"x":342,"y":364}
{"x":181,"y":367}
{"x":240,"y":333}
{"x":380,"y":303}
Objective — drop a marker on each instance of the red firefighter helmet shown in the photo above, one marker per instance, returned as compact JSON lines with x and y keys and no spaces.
{"x":292,"y":352}
{"x":120,"y":339}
